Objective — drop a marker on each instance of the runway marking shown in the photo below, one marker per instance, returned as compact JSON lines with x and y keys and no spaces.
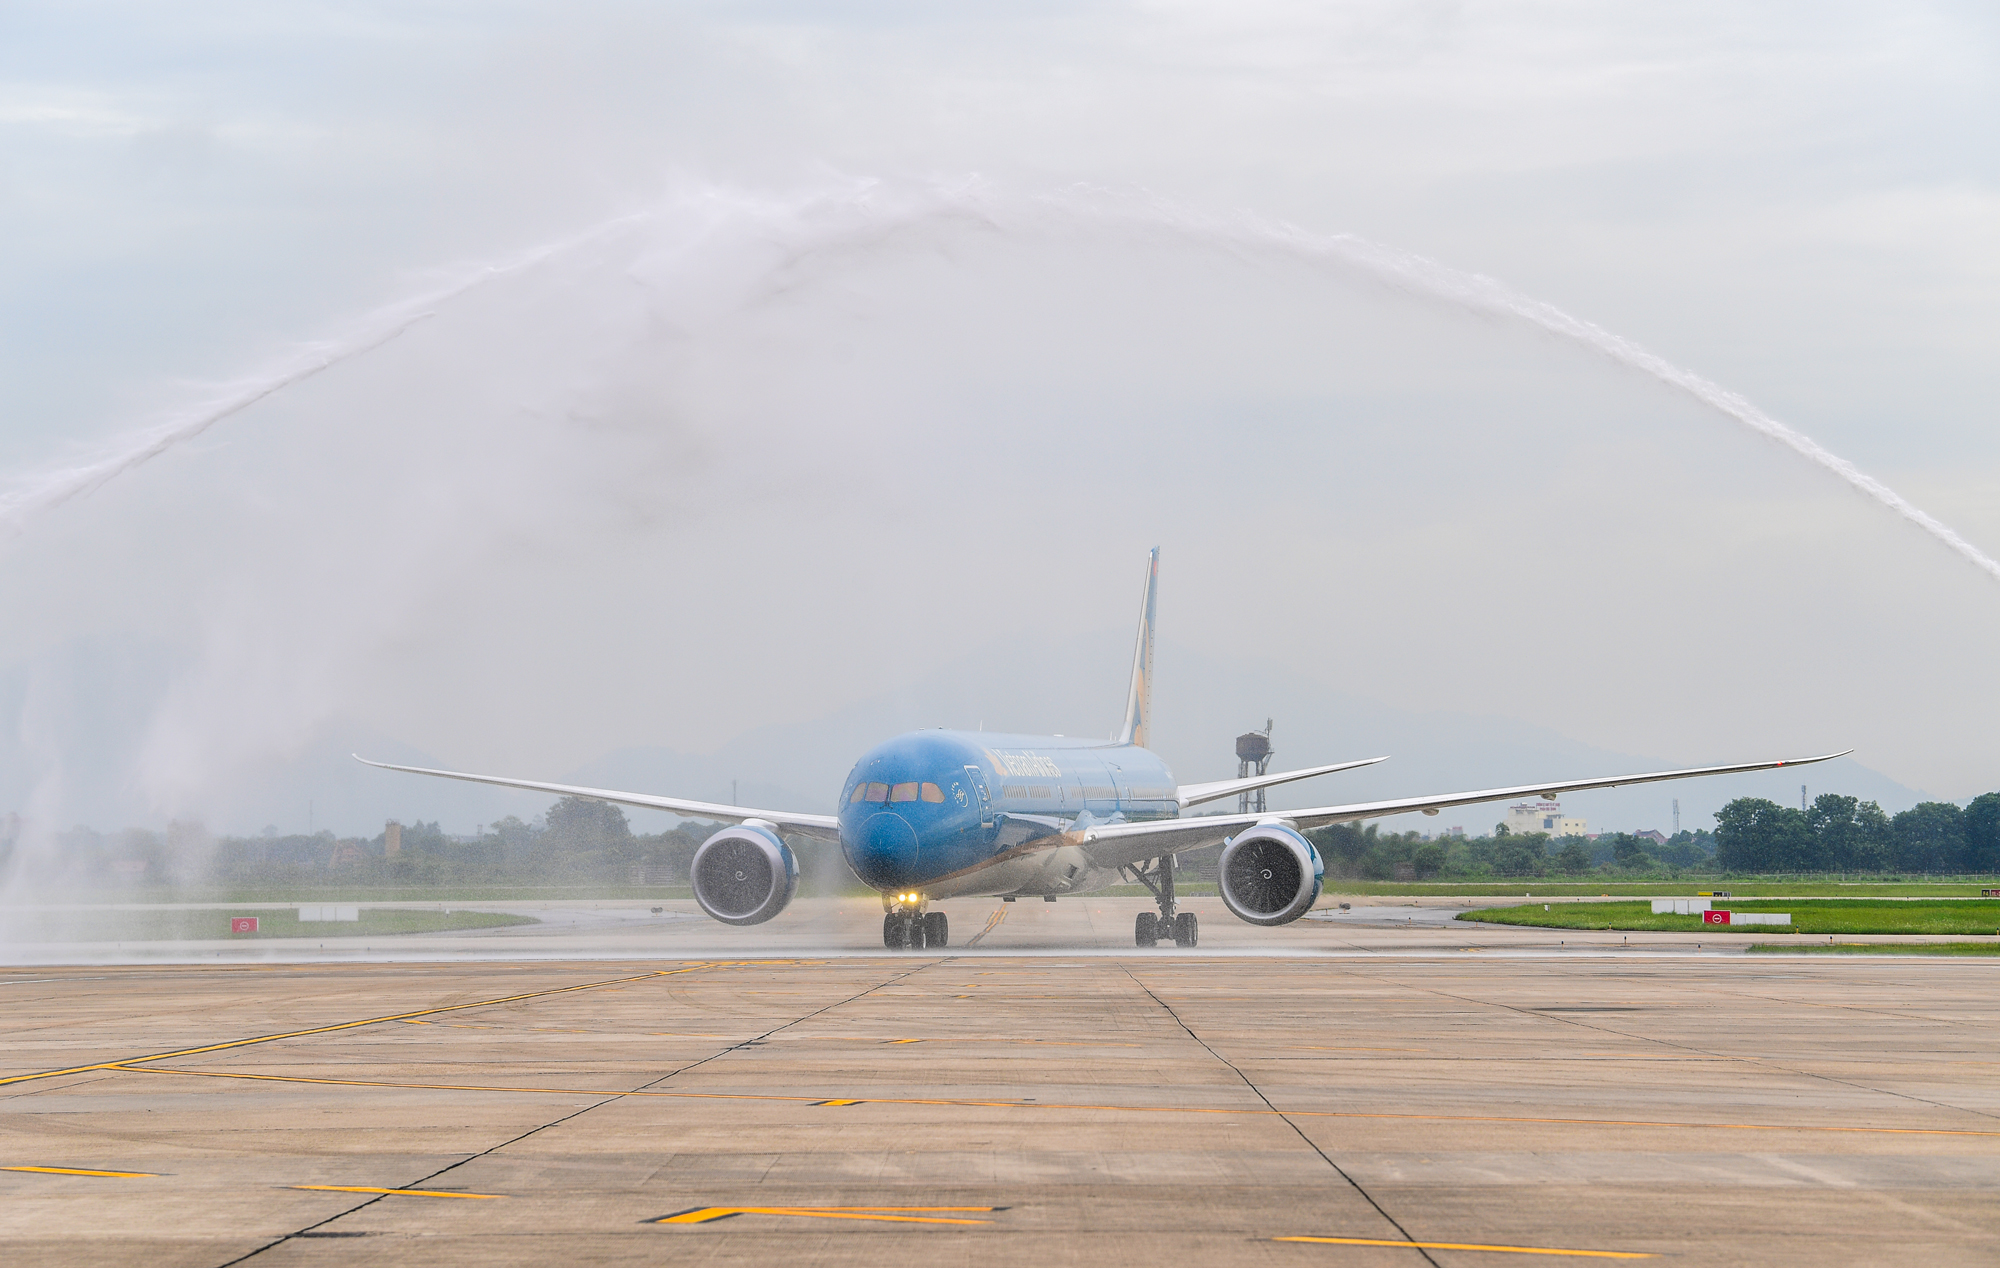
{"x":82,"y":1171}
{"x":992,"y":923}
{"x":1502,"y":1250}
{"x":1060,"y":1105}
{"x":412,"y":1193}
{"x":839,"y":1102}
{"x":128,"y":1062}
{"x":1049,"y":1043}
{"x":709,"y":1214}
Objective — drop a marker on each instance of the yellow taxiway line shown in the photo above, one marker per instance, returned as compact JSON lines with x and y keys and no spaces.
{"x":1502,"y":1250}
{"x":411,"y":1193}
{"x":82,"y":1171}
{"x":1058,"y":1105}
{"x":992,"y":923}
{"x":705,"y":1214}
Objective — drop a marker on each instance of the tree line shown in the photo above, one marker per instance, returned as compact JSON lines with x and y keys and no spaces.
{"x":583,"y":842}
{"x":1355,"y":851}
{"x":1753,"y":836}
{"x":576,"y":842}
{"x":1844,"y":834}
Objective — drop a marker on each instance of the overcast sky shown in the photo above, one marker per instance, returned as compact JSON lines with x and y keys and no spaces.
{"x":829,"y":346}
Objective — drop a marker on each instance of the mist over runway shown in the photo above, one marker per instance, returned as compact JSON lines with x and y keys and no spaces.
{"x":647,"y":929}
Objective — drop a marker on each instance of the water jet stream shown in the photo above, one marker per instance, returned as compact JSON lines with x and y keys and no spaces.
{"x":43,"y":491}
{"x":861,"y":213}
{"x":1480,"y":294}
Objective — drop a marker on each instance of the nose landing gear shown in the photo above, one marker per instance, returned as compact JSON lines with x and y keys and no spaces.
{"x":1149,"y":928}
{"x":905,"y":930}
{"x":900,"y":929}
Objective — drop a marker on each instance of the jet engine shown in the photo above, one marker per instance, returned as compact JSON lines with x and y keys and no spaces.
{"x":1269,"y":875}
{"x":744,"y":875}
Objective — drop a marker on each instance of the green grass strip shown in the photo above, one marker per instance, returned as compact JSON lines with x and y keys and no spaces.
{"x":1877,"y":948}
{"x":1662,"y":887}
{"x":1809,"y":916}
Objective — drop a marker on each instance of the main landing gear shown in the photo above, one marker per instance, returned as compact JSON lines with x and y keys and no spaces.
{"x":1150,"y":928}
{"x":914,"y":931}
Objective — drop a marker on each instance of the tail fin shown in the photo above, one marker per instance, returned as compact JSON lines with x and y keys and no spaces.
{"x":1138,"y":727}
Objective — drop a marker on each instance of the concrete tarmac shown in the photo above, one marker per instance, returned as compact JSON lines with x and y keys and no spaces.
{"x":1393,"y":1094}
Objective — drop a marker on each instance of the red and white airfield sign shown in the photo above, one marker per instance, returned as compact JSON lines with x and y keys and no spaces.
{"x":1717,"y":917}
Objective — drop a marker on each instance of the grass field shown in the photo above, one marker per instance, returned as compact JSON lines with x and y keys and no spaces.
{"x":1641,"y":888}
{"x":1878,"y":948}
{"x":188,"y":925}
{"x":1809,"y":915}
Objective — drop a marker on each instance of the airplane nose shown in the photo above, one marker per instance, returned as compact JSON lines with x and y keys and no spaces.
{"x":885,"y":853}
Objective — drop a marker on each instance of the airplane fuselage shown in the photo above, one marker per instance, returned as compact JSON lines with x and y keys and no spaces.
{"x":949,"y":813}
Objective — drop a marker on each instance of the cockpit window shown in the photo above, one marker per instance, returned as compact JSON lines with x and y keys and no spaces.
{"x":896,"y":792}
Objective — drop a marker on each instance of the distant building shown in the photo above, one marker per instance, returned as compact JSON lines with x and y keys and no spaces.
{"x":1543,"y":816}
{"x":1652,"y":834}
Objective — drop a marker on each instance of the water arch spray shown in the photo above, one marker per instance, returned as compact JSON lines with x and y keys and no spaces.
{"x":862,"y":213}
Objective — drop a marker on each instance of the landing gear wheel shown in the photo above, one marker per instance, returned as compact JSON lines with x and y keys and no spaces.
{"x":1146,"y":929}
{"x":937,"y":929}
{"x":1187,"y":930}
{"x":892,"y":931}
{"x":913,"y":932}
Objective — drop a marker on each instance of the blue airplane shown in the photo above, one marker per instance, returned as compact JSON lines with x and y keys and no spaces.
{"x":950,"y":814}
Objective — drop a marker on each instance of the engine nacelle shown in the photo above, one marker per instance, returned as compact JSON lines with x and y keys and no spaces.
{"x":744,"y":875}
{"x":1269,"y":875}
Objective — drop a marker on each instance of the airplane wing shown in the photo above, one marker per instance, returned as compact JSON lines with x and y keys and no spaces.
{"x":1195,"y":794}
{"x":1118,"y":844}
{"x":823,"y":827}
